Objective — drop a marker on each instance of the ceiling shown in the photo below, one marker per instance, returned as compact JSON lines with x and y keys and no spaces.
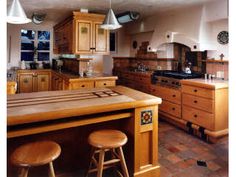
{"x":57,"y":10}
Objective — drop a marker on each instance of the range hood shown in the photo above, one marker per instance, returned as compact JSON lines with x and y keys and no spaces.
{"x":158,"y":42}
{"x":189,"y":28}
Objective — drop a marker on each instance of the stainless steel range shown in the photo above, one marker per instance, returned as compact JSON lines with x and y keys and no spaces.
{"x":171,"y":78}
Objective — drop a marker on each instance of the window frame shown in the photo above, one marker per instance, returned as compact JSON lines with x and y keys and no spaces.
{"x":36,"y":41}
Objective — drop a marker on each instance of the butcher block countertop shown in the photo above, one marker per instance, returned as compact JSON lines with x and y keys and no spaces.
{"x":206,"y":83}
{"x":43,"y":106}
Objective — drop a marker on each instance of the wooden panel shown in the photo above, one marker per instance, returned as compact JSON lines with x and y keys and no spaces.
{"x":171,"y":108}
{"x":25,"y":83}
{"x":105,"y":83}
{"x":198,"y":102}
{"x":146,"y":139}
{"x":198,"y":91}
{"x":172,"y":95}
{"x":80,"y":85}
{"x":11,"y":87}
{"x":101,"y":39}
{"x":198,"y":117}
{"x":43,"y":82}
{"x":84,"y":37}
{"x":146,"y":142}
{"x":221,"y":111}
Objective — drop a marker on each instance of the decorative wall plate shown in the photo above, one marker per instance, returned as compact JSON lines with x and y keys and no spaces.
{"x":223,"y":37}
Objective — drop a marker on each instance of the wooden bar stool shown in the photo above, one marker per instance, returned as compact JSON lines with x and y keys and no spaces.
{"x":35,"y":154}
{"x":103,"y":141}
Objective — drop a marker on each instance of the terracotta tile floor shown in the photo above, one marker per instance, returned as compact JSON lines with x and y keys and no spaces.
{"x":179,"y":152}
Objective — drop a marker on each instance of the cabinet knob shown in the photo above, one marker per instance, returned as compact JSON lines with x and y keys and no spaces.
{"x":82,"y":85}
{"x":195,"y":90}
{"x":173,"y":109}
{"x":195,"y":115}
{"x":105,"y":84}
{"x":195,"y":101}
{"x":173,"y":95}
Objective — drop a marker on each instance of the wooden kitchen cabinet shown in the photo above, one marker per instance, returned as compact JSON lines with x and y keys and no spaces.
{"x":33,"y":81}
{"x":81,"y":34}
{"x":205,"y":105}
{"x":57,"y":81}
{"x":171,"y":100}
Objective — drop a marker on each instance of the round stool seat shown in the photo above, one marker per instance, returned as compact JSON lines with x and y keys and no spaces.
{"x":107,"y":139}
{"x":36,"y":153}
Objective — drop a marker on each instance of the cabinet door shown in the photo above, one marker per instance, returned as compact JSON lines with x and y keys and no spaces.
{"x":25,"y":83}
{"x":101,"y":39}
{"x":83,"y":42}
{"x":43,"y":82}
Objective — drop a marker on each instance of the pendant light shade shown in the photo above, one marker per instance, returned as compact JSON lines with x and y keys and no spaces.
{"x":16,"y":14}
{"x":110,"y":22}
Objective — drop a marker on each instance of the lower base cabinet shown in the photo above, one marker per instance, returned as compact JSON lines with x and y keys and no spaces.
{"x":33,"y":80}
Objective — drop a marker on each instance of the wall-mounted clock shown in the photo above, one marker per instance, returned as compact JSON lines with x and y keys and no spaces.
{"x":223,"y":37}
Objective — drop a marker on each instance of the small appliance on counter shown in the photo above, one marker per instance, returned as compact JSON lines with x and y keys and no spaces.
{"x":34,"y":65}
{"x":57,"y":64}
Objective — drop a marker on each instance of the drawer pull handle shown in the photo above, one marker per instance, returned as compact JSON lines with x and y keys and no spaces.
{"x":195,"y":115}
{"x":173,"y":109}
{"x":195,"y":101}
{"x":195,"y":90}
{"x":174,"y":96}
{"x":82,"y":85}
{"x":105,"y":84}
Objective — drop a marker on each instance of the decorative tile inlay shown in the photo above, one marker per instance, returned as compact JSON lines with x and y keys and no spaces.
{"x":146,"y":117}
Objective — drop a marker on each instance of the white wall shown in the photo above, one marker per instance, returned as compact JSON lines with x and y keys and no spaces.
{"x":218,"y":26}
{"x":199,"y":23}
{"x":13,"y":31}
{"x":139,"y":37}
{"x":123,"y":50}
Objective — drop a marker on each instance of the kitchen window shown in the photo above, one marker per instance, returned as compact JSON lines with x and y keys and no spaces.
{"x":35,"y":45}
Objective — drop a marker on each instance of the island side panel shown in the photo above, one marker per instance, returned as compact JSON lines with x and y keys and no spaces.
{"x":146,"y":142}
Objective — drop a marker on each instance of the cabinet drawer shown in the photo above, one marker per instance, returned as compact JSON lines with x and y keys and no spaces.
{"x":197,"y":91}
{"x":142,"y":79}
{"x":105,"y":83}
{"x":172,"y":95}
{"x":170,"y":108}
{"x":198,"y":117}
{"x":198,"y":102}
{"x":80,"y":85}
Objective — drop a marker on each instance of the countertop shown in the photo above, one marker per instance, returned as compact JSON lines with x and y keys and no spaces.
{"x":95,"y":76}
{"x":51,"y":105}
{"x":206,"y":83}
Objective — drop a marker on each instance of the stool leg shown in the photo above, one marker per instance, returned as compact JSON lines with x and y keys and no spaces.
{"x":100,"y":163}
{"x":122,"y":161}
{"x":51,"y":172}
{"x":92,"y":160}
{"x":24,"y":172}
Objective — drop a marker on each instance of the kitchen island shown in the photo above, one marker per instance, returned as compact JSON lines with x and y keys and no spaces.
{"x":68,"y":117}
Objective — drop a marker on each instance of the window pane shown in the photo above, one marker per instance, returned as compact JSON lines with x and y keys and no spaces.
{"x":27,"y":56}
{"x":43,"y":56}
{"x":112,"y":42}
{"x":29,"y":34}
{"x":26,"y":44}
{"x":43,"y":45}
{"x":43,"y":35}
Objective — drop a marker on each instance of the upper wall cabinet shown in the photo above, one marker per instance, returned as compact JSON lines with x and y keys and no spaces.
{"x":81,"y":34}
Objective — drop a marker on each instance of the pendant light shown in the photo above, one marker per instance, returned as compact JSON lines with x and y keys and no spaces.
{"x":110,"y":22}
{"x":16,"y":14}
